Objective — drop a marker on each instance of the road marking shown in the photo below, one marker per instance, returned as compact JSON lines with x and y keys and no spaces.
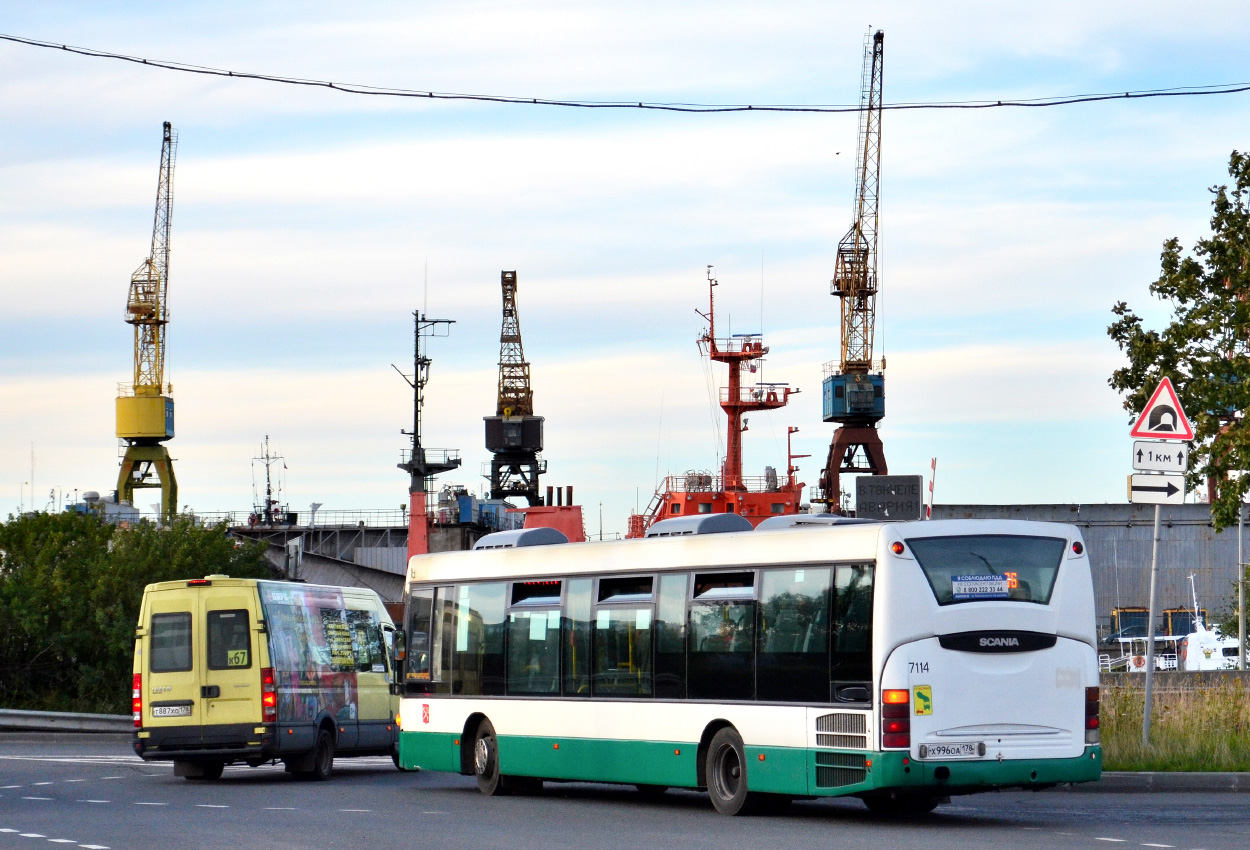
{"x":113,"y":777}
{"x":8,"y":830}
{"x":31,"y":835}
{"x":151,"y":804}
{"x":1158,"y":845}
{"x":62,"y":841}
{"x":1118,"y":840}
{"x":41,"y":783}
{"x":209,"y":806}
{"x":280,"y":809}
{"x":94,"y":846}
{"x":7,"y":787}
{"x":433,"y":813}
{"x":36,"y":798}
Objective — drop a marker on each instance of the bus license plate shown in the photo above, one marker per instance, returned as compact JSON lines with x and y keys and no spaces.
{"x":952,"y":751}
{"x":171,"y":711}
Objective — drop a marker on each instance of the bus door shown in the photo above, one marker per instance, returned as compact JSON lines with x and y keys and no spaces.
{"x":229,"y":667}
{"x":170,"y":675}
{"x":375,"y":720}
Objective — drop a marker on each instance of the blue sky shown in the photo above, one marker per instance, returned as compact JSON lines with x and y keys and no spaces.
{"x":304,"y":221}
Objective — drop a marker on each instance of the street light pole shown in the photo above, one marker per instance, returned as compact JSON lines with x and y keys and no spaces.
{"x":1241,"y":591}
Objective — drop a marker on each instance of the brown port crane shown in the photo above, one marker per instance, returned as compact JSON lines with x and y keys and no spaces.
{"x":853,"y":392}
{"x":145,"y":406}
{"x":514,"y":435}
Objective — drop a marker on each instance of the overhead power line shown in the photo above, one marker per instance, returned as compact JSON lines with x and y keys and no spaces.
{"x":386,"y":91}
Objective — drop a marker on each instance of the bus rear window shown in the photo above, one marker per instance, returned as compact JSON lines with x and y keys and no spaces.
{"x":171,"y":643}
{"x":979,"y":568}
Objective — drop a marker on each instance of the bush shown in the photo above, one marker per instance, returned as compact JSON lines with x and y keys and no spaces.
{"x":70,"y":588}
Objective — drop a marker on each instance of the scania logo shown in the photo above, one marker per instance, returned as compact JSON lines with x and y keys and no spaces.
{"x":997,"y":641}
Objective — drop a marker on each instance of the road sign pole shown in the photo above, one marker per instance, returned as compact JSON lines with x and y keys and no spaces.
{"x":1241,"y":592}
{"x":1150,"y":634}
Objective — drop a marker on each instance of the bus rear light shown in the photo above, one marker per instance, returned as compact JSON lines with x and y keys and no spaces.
{"x":897,"y":548}
{"x":136,"y":700}
{"x":901,"y":740}
{"x":268,"y":696}
{"x":1093,"y":734}
{"x":896,"y":718}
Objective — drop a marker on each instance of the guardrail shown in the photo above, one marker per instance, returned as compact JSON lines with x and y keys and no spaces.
{"x":63,"y":721}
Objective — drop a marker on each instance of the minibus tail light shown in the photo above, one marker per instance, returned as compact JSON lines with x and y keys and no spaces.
{"x":1092,"y":731}
{"x":136,"y":700}
{"x":268,"y":696}
{"x":895,"y":718}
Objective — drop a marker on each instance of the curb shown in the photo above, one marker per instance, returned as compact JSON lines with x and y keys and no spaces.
{"x":63,"y":721}
{"x":1169,"y":783}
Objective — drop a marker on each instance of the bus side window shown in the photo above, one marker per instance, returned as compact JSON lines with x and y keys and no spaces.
{"x":793,"y":664}
{"x":576,"y":638}
{"x":478,"y":667}
{"x":851,"y":667}
{"x":670,"y":637}
{"x":420,"y":612}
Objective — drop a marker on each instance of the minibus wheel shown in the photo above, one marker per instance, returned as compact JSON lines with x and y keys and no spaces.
{"x":323,"y":757}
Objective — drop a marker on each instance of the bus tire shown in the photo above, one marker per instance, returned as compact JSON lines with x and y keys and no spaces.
{"x":322,"y":757}
{"x":726,"y":770}
{"x":900,"y":805}
{"x":206,"y":770}
{"x":486,"y":762}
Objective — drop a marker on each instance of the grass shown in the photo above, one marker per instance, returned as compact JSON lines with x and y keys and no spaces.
{"x":1190,"y":730}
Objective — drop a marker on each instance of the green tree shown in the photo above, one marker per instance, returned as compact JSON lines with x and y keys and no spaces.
{"x":1205,"y":349}
{"x":70,"y":588}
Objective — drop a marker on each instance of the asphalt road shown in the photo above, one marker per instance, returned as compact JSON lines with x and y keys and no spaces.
{"x":90,"y":791}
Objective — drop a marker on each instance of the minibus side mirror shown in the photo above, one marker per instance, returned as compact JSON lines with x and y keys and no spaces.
{"x":399,"y":646}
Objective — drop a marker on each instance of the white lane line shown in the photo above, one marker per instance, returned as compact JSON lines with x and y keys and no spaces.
{"x":1117,"y":840}
{"x":209,"y":806}
{"x":7,"y":787}
{"x":31,"y":835}
{"x":94,"y":846}
{"x":8,"y":830}
{"x":151,"y":804}
{"x":42,"y":783}
{"x":36,"y":798}
{"x":433,"y":813}
{"x":280,"y":809}
{"x":355,"y":810}
{"x":112,"y":777}
{"x":1158,"y":845}
{"x":62,"y":841}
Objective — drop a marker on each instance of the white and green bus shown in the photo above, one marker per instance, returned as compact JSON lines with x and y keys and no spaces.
{"x":900,"y":663}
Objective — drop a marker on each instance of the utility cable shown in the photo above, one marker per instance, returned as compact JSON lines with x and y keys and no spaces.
{"x":385,"y":91}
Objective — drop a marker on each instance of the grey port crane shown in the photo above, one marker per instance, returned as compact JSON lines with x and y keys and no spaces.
{"x":854,"y":386}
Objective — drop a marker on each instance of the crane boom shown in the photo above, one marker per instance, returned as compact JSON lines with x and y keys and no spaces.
{"x":514,"y":435}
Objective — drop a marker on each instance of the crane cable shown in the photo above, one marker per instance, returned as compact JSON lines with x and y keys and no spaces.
{"x":385,"y":91}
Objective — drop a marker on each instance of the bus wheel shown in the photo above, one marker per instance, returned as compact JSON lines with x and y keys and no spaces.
{"x":323,"y":757}
{"x":900,"y":805}
{"x":486,"y":761}
{"x":727,"y":773}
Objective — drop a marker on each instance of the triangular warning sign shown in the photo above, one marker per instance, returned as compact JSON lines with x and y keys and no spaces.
{"x":1163,"y":418}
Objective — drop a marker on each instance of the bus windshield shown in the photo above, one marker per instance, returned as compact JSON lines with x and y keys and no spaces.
{"x":978,"y":568}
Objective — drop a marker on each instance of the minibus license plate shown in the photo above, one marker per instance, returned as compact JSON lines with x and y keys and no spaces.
{"x":952,"y":751}
{"x":171,"y":711}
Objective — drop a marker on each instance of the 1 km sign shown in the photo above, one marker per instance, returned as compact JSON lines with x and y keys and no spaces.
{"x":1163,"y":418}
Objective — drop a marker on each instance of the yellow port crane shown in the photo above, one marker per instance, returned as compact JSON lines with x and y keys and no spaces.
{"x":145,"y":407}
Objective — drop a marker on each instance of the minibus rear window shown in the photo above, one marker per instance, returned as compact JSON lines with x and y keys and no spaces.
{"x":986,"y":567}
{"x":171,"y":643}
{"x":229,"y":640}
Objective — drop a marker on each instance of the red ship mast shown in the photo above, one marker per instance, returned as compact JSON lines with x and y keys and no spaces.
{"x":730,"y":492}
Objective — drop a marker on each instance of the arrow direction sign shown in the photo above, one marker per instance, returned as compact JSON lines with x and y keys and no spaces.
{"x":1156,"y":489}
{"x":1151,"y":456}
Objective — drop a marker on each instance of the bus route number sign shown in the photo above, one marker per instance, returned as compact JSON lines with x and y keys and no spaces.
{"x":979,"y":587}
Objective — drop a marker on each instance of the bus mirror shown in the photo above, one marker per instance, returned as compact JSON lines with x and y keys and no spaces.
{"x":400,"y":645}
